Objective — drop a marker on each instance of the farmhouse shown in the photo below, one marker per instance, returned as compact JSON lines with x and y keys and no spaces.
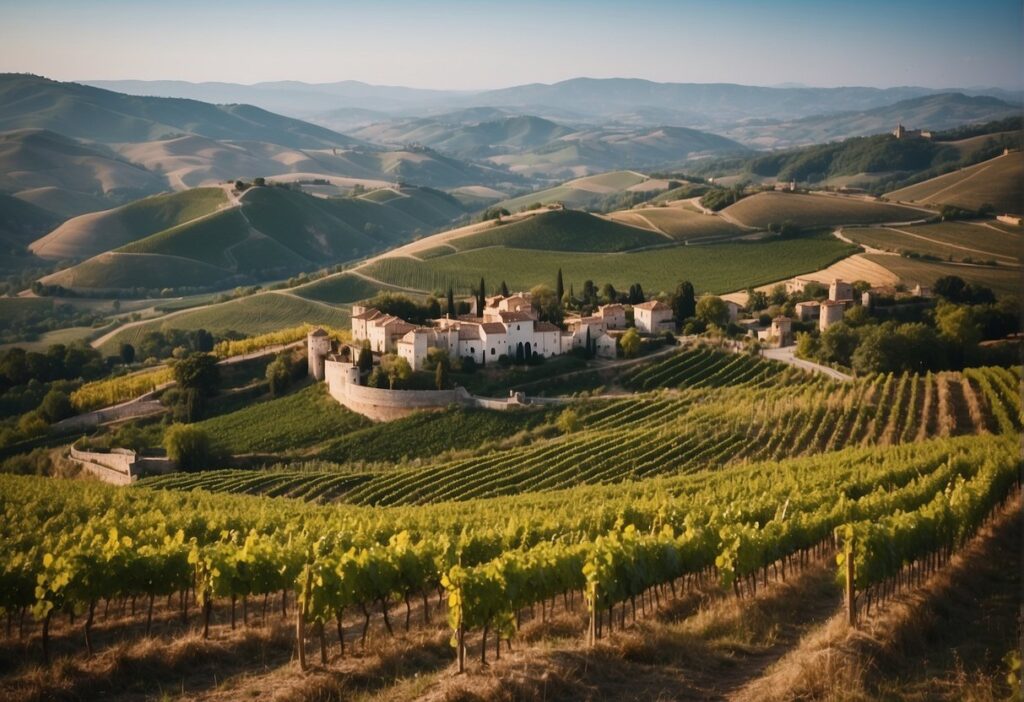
{"x":653,"y":317}
{"x":780,"y":333}
{"x":614,"y":316}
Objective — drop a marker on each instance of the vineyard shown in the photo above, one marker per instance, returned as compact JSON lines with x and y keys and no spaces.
{"x":731,"y":409}
{"x":596,"y":552}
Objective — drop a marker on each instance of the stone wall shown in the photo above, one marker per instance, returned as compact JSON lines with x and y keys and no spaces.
{"x":119,"y":466}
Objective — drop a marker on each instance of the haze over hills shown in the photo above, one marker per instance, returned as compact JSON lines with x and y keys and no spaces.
{"x":623,"y":99}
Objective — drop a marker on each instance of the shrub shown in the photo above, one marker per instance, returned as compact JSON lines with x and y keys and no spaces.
{"x":188,"y":446}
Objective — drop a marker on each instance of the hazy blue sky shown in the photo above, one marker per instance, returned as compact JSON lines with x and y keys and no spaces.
{"x":484,"y":44}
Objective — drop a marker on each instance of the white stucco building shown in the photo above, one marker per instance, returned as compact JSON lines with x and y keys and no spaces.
{"x":653,"y":317}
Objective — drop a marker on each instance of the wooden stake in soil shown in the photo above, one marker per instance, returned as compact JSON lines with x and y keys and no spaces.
{"x":851,"y":601}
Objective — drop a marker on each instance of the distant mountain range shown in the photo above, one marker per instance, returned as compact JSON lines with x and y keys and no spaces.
{"x":626,"y":100}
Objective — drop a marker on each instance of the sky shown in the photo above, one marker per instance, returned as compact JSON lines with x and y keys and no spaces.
{"x":459,"y":44}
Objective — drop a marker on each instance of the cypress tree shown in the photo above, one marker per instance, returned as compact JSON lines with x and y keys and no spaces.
{"x":451,"y":302}
{"x":441,"y":376}
{"x":481,"y":300}
{"x":559,"y":286}
{"x":504,"y":289}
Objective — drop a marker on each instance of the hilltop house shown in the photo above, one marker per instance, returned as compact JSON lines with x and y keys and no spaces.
{"x":806,"y":311}
{"x":653,"y":317}
{"x":840,"y":291}
{"x":613,"y":315}
{"x":780,"y":333}
{"x":509,"y":327}
{"x":902,"y":132}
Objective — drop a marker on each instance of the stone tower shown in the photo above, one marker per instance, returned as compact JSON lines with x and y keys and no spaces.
{"x":318,"y":345}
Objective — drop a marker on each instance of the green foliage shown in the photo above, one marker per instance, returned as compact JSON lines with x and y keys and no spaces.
{"x":712,"y":310}
{"x":562,"y":230}
{"x":630,"y":343}
{"x":187,"y":445}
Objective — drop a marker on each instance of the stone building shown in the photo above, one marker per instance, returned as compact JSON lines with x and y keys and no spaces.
{"x":653,"y":317}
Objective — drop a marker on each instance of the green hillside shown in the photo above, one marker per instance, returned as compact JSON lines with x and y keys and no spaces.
{"x":717,"y":268}
{"x":679,"y":223}
{"x":92,"y":113}
{"x":275,"y":233}
{"x":22,"y":222}
{"x":337,"y":289}
{"x":249,"y":316}
{"x":562,"y":230}
{"x":92,"y":234}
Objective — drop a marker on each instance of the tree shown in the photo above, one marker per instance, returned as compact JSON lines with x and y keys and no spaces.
{"x":504,"y":289}
{"x":636,"y":294}
{"x":441,"y":376}
{"x":807,"y":346}
{"x":188,"y":446}
{"x":127,"y":354}
{"x":957,"y":324}
{"x":568,"y":421}
{"x":279,"y":374}
{"x":481,"y":299}
{"x":756,"y":300}
{"x":589,"y":350}
{"x":495,"y":213}
{"x":451,"y":303}
{"x":608,"y":293}
{"x":630,"y":343}
{"x":56,"y":405}
{"x":365,"y":361}
{"x":559,"y":286}
{"x":712,"y":309}
{"x":197,"y":376}
{"x":546,"y":303}
{"x":838,"y":343}
{"x":684,"y":302}
{"x":396,"y":368}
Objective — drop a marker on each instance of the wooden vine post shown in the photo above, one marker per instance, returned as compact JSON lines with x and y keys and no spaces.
{"x":851,"y":595}
{"x":300,"y":619}
{"x":592,"y":625}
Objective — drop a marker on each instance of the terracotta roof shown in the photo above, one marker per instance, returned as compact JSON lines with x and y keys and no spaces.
{"x":652,"y":305}
{"x":515,"y":317}
{"x":832,"y":303}
{"x":545,"y":327}
{"x":780,"y":318}
{"x":371,"y":313}
{"x":469,"y":332}
{"x":808,"y":303}
{"x":319,"y":331}
{"x":493,"y":327}
{"x":613,"y":307}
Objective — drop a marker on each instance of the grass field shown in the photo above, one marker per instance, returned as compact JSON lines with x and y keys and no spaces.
{"x":679,"y":223}
{"x":562,"y":230}
{"x":337,"y":289}
{"x":1005,"y":282}
{"x":948,"y":240}
{"x":815,"y":211}
{"x":286,"y":424}
{"x":256,"y":314}
{"x":998,"y":182}
{"x":713,"y":268}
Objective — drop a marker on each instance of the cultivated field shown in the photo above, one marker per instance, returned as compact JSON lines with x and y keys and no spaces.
{"x":954,"y":241}
{"x":714,"y":268}
{"x":679,"y":223}
{"x":997,"y":182}
{"x":579,"y":193}
{"x":816,"y":211}
{"x":563,"y":230}
{"x":1005,"y":282}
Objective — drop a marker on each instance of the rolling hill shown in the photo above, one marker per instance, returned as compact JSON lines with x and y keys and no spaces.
{"x":67,"y":177}
{"x":85,"y":112}
{"x":998,"y":182}
{"x":767,"y":208}
{"x":91,"y":234}
{"x":584,"y":193}
{"x":21,"y":223}
{"x":197,"y":240}
{"x":563,"y":230}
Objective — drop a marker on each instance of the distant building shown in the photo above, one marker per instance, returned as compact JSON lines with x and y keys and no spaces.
{"x":614,"y":316}
{"x":734,"y":310}
{"x":840,"y":291}
{"x":653,"y":317}
{"x":871,"y":297}
{"x":780,"y":333}
{"x":797,"y":285}
{"x":902,"y":132}
{"x":1010,"y":219}
{"x":807,"y":311}
{"x":831,"y":312}
{"x":922,"y":291}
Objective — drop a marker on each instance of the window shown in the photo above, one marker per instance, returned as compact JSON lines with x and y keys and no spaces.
{"x":492,"y":350}
{"x":472,"y":350}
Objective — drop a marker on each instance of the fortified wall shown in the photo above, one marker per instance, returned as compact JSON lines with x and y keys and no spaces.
{"x":380,"y":404}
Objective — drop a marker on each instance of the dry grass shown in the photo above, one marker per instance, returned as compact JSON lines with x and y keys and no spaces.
{"x":941,"y":642}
